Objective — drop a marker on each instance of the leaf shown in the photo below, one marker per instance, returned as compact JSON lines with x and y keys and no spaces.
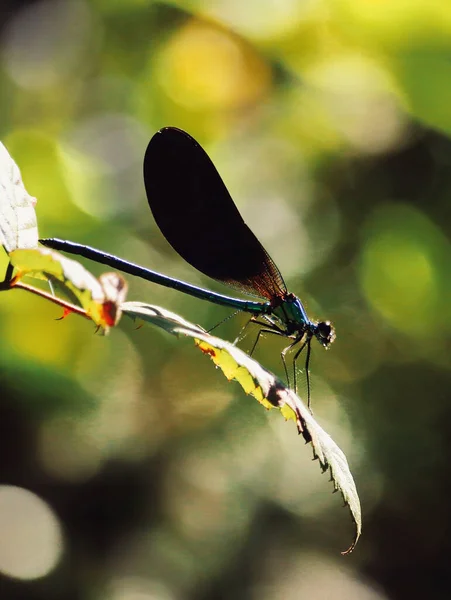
{"x":100,"y":298}
{"x":115,"y":290}
{"x":18,"y":227}
{"x":167,"y":320}
{"x":269,"y":391}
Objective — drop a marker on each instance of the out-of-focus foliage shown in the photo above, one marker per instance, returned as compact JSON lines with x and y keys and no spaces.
{"x":128,"y":466}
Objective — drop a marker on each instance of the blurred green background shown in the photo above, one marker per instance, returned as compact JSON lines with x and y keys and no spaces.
{"x":130,"y":468}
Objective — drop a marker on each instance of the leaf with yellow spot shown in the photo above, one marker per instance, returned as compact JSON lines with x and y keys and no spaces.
{"x":100,"y":298}
{"x":269,"y":391}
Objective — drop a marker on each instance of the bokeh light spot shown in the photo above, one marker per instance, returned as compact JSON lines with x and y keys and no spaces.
{"x":262,"y":19}
{"x":42,"y":47}
{"x":138,"y":588}
{"x":31,"y":542}
{"x":204,"y":67}
{"x":356,"y":91}
{"x":402,"y":258}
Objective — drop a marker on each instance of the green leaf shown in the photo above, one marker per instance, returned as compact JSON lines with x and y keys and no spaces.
{"x":269,"y":391}
{"x":100,"y":298}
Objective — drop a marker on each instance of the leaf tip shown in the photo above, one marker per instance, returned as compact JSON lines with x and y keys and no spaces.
{"x":352,"y":546}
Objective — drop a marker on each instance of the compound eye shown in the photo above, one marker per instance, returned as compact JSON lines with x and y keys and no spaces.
{"x":324,"y":332}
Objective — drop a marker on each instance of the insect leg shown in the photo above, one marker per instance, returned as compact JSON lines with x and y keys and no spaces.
{"x":307,"y":363}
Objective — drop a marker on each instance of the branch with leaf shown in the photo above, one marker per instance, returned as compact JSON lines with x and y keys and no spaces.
{"x":102,"y":300}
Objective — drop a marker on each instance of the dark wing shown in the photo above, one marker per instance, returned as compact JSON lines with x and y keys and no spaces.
{"x":198,"y":217}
